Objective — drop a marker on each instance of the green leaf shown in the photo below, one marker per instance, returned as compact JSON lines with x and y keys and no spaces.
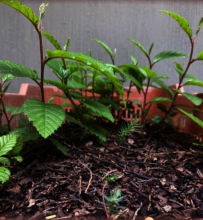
{"x":59,"y":145}
{"x":18,"y":158}
{"x":110,"y":102}
{"x":52,"y":40}
{"x":178,"y":65}
{"x":194,"y":99}
{"x":57,"y":65}
{"x":139,"y":46}
{"x":99,"y":108}
{"x":188,"y":106}
{"x":194,"y":82}
{"x":200,"y":56}
{"x":58,"y":84}
{"x":136,"y":102}
{"x":162,"y":107}
{"x":152,"y":74}
{"x":150,"y":49}
{"x":98,"y":131}
{"x":71,"y":119}
{"x":164,"y":86}
{"x":50,"y":100}
{"x":6,"y":87}
{"x":134,"y":60}
{"x":195,"y":119}
{"x":4,"y":174}
{"x":7,"y":142}
{"x":7,"y":77}
{"x":17,"y":110}
{"x":5,"y":160}
{"x":27,"y":133}
{"x":199,"y":25}
{"x":169,"y":55}
{"x":18,"y":70}
{"x":23,"y":9}
{"x":108,"y":50}
{"x":4,"y":129}
{"x":18,"y":147}
{"x":45,"y":117}
{"x":23,"y":122}
{"x":182,"y":21}
{"x":160,"y":99}
{"x":65,"y":104}
{"x":89,"y":61}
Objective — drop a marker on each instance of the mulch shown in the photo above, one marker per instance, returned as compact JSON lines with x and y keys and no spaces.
{"x":161,"y":176}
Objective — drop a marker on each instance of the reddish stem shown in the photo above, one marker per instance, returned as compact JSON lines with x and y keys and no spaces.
{"x":107,"y":215}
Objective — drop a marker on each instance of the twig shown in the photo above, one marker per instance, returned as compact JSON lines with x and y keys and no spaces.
{"x":136,"y":212}
{"x":90,"y":175}
{"x":171,"y":200}
{"x":80,"y":185}
{"x":116,"y":216}
{"x":111,"y":171}
{"x":107,"y":215}
{"x":149,"y":138}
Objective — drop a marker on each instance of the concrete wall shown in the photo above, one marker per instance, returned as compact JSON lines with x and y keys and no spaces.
{"x":111,"y":21}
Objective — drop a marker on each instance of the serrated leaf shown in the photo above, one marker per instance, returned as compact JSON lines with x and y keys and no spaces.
{"x":7,"y":77}
{"x":151,"y":74}
{"x":7,"y":142}
{"x":195,"y":119}
{"x":194,"y":99}
{"x":59,"y":145}
{"x":108,"y":50}
{"x":160,"y":99}
{"x":169,"y":55}
{"x":98,"y":131}
{"x":52,"y":40}
{"x":56,"y":65}
{"x":139,"y":46}
{"x":18,"y":158}
{"x":71,"y":119}
{"x":45,"y":117}
{"x":164,"y":86}
{"x":200,"y":56}
{"x":17,"y":110}
{"x":99,"y":108}
{"x":194,"y":82}
{"x":18,"y":70}
{"x":4,"y":174}
{"x":89,"y":61}
{"x":18,"y":146}
{"x":27,"y":133}
{"x":182,"y":21}
{"x":23,"y":9}
{"x":5,"y":160}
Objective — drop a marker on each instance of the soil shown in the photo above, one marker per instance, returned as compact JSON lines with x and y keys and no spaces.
{"x":162,"y":176}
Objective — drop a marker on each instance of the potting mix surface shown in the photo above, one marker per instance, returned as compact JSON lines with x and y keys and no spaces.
{"x":162,"y":176}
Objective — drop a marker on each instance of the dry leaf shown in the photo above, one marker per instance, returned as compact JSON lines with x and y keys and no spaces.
{"x":200,"y":174}
{"x":15,"y":189}
{"x":130,"y":141}
{"x":89,"y":144}
{"x":181,"y":169}
{"x":167,"y":208}
{"x":163,"y":182}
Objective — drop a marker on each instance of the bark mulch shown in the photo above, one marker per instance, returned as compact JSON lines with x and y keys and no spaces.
{"x":161,"y":176}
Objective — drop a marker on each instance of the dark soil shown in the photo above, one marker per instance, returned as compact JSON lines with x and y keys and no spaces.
{"x":161,"y":175}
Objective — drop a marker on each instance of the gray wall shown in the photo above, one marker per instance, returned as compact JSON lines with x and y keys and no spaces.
{"x":111,"y":21}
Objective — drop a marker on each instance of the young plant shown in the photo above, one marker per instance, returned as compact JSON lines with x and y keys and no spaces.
{"x":9,"y":145}
{"x":71,"y":70}
{"x":113,"y":200}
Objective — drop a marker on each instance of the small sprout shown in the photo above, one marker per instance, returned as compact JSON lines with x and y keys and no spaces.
{"x":65,"y":48}
{"x":42,"y":10}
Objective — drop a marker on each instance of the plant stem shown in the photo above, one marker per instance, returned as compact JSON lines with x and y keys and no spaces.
{"x":4,"y":111}
{"x":107,"y":215}
{"x":42,"y":61}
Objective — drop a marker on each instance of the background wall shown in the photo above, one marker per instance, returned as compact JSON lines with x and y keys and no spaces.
{"x":111,"y":21}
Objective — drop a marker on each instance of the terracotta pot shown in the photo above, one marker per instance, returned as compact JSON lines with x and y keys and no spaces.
{"x":182,"y":122}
